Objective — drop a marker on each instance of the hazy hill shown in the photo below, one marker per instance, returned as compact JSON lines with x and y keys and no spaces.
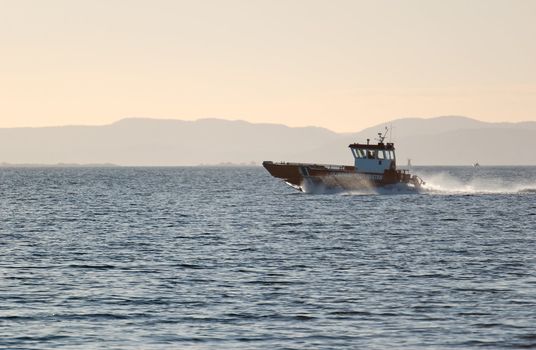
{"x":443,"y":140}
{"x":448,"y":140}
{"x":159,"y":142}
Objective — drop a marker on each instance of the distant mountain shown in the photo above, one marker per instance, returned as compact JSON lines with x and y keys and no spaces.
{"x":159,"y":142}
{"x":449,"y":140}
{"x":435,"y":141}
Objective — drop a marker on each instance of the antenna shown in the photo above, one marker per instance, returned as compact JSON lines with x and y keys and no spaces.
{"x":381,"y":136}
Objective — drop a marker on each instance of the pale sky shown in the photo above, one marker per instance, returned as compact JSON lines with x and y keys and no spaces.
{"x":343,"y":65}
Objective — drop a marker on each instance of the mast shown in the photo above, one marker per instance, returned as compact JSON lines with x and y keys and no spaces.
{"x":381,"y":136}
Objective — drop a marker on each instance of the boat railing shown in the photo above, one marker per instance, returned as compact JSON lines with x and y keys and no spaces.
{"x":327,"y":166}
{"x":333,"y":167}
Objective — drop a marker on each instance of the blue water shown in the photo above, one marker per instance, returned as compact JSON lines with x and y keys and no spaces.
{"x":231,"y":258}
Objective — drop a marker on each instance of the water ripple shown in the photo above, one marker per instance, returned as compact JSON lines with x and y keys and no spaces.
{"x":229,"y":258}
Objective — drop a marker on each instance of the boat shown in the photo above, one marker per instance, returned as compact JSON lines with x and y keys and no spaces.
{"x":374,"y":167}
{"x":476,"y":165}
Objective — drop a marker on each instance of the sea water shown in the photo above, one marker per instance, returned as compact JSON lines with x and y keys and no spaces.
{"x":231,"y":258}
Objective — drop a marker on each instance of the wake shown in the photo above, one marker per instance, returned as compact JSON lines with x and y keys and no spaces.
{"x":361,"y":190}
{"x":443,"y":183}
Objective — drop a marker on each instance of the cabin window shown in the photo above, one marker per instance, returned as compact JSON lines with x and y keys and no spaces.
{"x":371,"y":154}
{"x":381,"y":155}
{"x":361,"y":153}
{"x":392,"y":154}
{"x":387,"y":155}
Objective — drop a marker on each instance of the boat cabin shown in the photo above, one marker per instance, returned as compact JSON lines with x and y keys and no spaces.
{"x":374,"y":159}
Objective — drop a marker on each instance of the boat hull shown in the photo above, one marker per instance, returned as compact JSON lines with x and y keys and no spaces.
{"x":303,"y":176}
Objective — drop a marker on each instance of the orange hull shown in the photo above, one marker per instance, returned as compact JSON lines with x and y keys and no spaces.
{"x":336,"y":176}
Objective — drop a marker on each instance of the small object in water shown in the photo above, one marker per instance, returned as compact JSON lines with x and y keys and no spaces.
{"x":374,"y":167}
{"x":476,"y":164}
